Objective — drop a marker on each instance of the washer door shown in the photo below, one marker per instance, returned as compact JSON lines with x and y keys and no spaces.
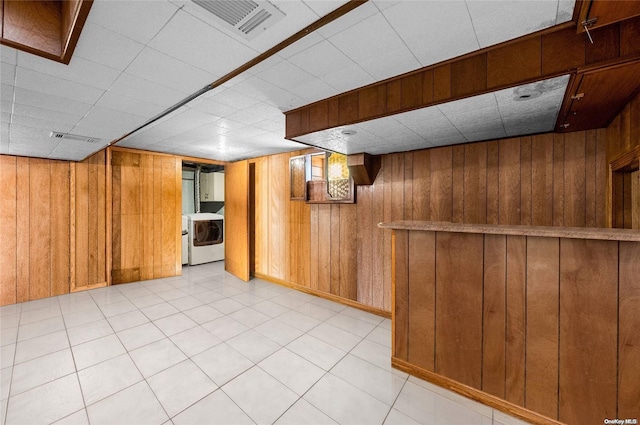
{"x":204,"y":233}
{"x":218,"y":231}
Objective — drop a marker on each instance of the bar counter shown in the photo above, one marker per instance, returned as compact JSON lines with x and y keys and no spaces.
{"x":539,"y":322}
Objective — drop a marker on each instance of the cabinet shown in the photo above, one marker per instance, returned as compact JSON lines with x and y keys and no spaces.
{"x":211,"y":187}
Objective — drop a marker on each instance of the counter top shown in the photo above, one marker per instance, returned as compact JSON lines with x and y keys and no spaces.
{"x":501,"y":229}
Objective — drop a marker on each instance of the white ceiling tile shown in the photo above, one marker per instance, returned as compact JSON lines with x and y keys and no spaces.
{"x":28,"y":121}
{"x":137,"y":20}
{"x":285,"y":75}
{"x":8,"y":74}
{"x":79,"y":70}
{"x":118,"y":102}
{"x":6,"y":92}
{"x":170,"y":72}
{"x":457,"y":107}
{"x":385,"y":4}
{"x":6,"y":117}
{"x":75,"y":150}
{"x":51,"y":102}
{"x":324,"y":7}
{"x":146,"y":91}
{"x":32,"y":80}
{"x":231,"y":97}
{"x":266,"y":111}
{"x":244,"y":117}
{"x":425,"y":26}
{"x":106,"y":47}
{"x":348,"y":78}
{"x":348,"y":20}
{"x":312,"y":91}
{"x":212,"y":107}
{"x":45,"y":114}
{"x":8,"y":55}
{"x":196,"y":43}
{"x":110,"y":123}
{"x":516,"y":18}
{"x":380,"y":38}
{"x":6,"y":106}
{"x":321,"y":59}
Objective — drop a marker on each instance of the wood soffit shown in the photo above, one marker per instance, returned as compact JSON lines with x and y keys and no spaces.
{"x":555,"y":51}
{"x":46,"y":28}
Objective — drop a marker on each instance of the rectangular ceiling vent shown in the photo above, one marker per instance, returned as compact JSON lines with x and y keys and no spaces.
{"x":67,"y":136}
{"x":246,"y":18}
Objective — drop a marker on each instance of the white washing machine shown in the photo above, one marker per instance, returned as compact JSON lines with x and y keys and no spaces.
{"x":206,"y":238}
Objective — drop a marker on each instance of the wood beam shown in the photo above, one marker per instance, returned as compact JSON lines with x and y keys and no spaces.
{"x":546,"y":54}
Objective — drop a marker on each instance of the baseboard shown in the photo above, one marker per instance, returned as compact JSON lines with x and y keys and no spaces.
{"x":474,"y":394}
{"x":330,"y":297}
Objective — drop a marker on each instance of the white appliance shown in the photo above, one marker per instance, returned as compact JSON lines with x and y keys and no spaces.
{"x":206,"y":238}
{"x":185,"y":239}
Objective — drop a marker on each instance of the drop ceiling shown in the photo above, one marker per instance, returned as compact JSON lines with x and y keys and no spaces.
{"x":136,"y":59}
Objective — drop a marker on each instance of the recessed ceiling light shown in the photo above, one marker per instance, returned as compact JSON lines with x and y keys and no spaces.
{"x":348,"y":132}
{"x":525,"y":94}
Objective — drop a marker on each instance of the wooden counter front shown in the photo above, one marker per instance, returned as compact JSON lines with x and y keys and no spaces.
{"x":541,"y":323}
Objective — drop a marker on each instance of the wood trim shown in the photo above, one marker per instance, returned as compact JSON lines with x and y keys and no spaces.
{"x":75,"y":29}
{"x":629,"y":161}
{"x":325,"y":295}
{"x":148,"y":152}
{"x":473,"y":394}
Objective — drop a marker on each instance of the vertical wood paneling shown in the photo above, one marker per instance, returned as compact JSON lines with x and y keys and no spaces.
{"x":348,"y":251}
{"x":314,"y":249}
{"x":588,"y":329}
{"x":457,"y":182}
{"x":493,"y":183}
{"x":401,"y":293}
{"x":169,"y":228}
{"x":278,"y":216}
{"x":92,"y":222}
{"x":629,"y":338}
{"x":441,"y":181}
{"x":601,"y":178}
{"x":40,"y":229}
{"x":364,"y":234}
{"x":509,"y":185}
{"x":516,"y":319}
{"x":60,"y":222}
{"x":542,"y":148}
{"x":558,"y":180}
{"x":82,"y":224}
{"x":590,"y":167}
{"x":543,"y":258}
{"x":574,"y":180}
{"x":381,"y":239}
{"x":408,"y":186}
{"x":8,"y":230}
{"x":525,"y":181}
{"x":459,"y":307}
{"x":475,"y":183}
{"x":147,"y":222}
{"x":157,"y":216}
{"x":422,"y":302}
{"x":494,"y":315}
{"x":324,"y":248}
{"x":381,"y":290}
{"x":335,"y":254}
{"x":421,"y":185}
{"x":262,"y":212}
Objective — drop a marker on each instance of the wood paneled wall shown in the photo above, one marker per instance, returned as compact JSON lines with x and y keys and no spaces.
{"x":623,"y":134}
{"x":52,"y":227}
{"x":548,"y":324}
{"x":543,"y":180}
{"x":89,"y":234}
{"x":147,"y":208}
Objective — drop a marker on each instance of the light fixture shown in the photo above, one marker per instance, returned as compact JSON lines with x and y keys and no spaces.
{"x":348,"y":132}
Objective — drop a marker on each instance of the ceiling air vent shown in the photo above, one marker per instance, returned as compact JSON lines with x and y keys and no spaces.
{"x":244,"y":17}
{"x":67,"y":136}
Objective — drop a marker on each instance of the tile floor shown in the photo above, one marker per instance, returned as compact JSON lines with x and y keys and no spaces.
{"x":206,"y":348}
